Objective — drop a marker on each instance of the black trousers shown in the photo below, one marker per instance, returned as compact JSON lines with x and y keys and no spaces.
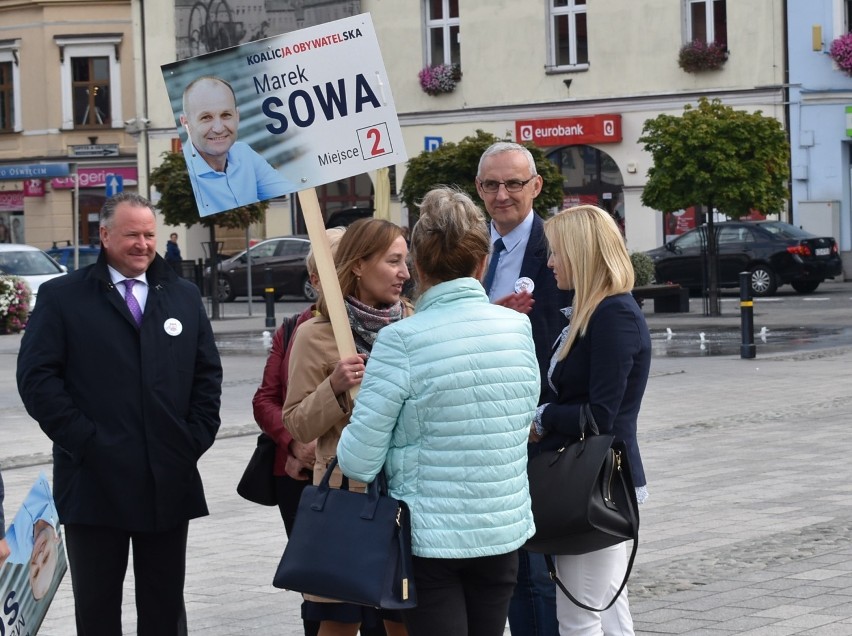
{"x":97,"y":558}
{"x":289,"y":491}
{"x":462,"y":597}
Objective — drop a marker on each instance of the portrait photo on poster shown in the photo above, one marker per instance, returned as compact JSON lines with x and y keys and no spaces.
{"x":283,"y":114}
{"x":36,"y":564}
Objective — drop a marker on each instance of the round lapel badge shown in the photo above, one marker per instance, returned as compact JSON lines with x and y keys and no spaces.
{"x":524,"y":284}
{"x":172,"y":327}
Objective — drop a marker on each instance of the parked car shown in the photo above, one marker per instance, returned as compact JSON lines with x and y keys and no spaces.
{"x":347,"y":216}
{"x":284,"y":256}
{"x":775,"y":253}
{"x":88,"y":254}
{"x":30,"y":263}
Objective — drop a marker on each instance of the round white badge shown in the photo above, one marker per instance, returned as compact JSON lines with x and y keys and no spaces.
{"x":172,"y":327}
{"x":524,"y":284}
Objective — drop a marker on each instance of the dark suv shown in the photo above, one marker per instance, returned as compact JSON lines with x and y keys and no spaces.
{"x":347,"y":216}
{"x":285,"y":258}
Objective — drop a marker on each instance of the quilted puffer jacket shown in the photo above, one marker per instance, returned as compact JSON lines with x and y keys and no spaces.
{"x":446,"y":405}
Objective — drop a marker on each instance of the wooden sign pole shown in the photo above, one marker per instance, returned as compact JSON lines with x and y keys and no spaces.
{"x":328,"y":276}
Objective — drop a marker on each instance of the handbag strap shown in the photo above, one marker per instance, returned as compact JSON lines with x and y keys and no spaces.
{"x":587,"y":419}
{"x":634,"y":519}
{"x":288,"y":326}
{"x":404,"y":544}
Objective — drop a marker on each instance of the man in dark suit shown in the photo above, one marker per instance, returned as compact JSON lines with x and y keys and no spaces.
{"x":119,"y":367}
{"x":508,"y":183}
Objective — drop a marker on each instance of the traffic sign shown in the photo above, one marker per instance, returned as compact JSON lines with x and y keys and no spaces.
{"x":114,"y":184}
{"x":93,"y":150}
{"x":432,"y":143}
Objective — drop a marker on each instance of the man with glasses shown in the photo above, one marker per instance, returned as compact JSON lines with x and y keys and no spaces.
{"x":508,"y":183}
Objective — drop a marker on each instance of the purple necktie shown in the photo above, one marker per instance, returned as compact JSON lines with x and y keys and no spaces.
{"x":130,"y":299}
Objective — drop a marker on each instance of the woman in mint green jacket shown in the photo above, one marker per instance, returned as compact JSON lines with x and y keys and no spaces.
{"x":445,"y":408}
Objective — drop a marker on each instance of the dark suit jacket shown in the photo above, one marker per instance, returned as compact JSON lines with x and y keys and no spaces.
{"x":546,"y":315}
{"x":608,"y":369}
{"x":129,"y":409}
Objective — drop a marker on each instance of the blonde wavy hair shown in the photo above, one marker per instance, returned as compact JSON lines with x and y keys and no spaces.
{"x":587,"y":239}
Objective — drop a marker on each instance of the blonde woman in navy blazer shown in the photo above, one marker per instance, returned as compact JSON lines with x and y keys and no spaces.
{"x":602,"y":358}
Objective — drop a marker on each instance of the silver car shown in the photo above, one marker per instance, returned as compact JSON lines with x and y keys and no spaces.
{"x":29,"y":263}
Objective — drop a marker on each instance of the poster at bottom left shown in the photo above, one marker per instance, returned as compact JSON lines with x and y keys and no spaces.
{"x":31,"y":575}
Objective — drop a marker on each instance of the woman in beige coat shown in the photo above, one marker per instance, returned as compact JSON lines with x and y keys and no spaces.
{"x":371,"y":267}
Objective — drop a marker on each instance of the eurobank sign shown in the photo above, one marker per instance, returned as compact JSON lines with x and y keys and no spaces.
{"x":570,"y":131}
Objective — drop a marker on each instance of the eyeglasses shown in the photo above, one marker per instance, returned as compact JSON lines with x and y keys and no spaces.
{"x":512,"y":185}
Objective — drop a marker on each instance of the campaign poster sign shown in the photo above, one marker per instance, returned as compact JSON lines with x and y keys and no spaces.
{"x":283,"y":114}
{"x":31,"y":575}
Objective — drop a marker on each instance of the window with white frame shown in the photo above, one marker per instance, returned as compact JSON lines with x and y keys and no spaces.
{"x":10,"y":87}
{"x":443,"y":45}
{"x":706,"y":21}
{"x":847,"y":15}
{"x":568,"y":33}
{"x":90,"y":80}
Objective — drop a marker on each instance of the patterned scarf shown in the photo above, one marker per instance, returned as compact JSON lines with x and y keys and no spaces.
{"x":366,"y":321}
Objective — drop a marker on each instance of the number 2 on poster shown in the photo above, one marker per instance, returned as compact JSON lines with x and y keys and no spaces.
{"x":374,"y":141}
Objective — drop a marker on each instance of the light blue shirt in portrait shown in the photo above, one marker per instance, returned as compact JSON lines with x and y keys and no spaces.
{"x":37,"y":506}
{"x":248,"y":178}
{"x":511,"y":259}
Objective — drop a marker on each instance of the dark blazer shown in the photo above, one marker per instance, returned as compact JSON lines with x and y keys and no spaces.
{"x":130,"y":409}
{"x":608,"y":369}
{"x":546,"y":316}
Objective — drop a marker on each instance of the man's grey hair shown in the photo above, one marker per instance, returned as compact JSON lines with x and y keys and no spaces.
{"x":506,"y":146}
{"x":135,"y":200}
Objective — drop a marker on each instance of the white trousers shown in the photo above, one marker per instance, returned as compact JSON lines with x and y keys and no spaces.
{"x":593,"y":579}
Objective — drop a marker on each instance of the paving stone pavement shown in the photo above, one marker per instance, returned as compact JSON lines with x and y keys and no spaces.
{"x":747,"y":530}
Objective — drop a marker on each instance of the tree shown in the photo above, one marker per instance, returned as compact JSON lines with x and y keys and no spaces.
{"x":177,"y":204}
{"x":177,"y":201}
{"x":727,"y":160}
{"x":455,"y":164}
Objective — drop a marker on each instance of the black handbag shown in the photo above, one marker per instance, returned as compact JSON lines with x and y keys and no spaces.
{"x":583,"y":499}
{"x":257,"y":483}
{"x":349,"y":546}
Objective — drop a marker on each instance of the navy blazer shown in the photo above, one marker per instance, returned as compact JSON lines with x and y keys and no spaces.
{"x":546,"y":316}
{"x":608,"y":369}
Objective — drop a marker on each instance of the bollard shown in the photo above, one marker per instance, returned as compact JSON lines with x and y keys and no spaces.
{"x":747,"y":348}
{"x":269,"y":294}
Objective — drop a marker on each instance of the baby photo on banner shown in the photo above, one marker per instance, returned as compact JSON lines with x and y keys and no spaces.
{"x":31,"y":575}
{"x":282,"y":114}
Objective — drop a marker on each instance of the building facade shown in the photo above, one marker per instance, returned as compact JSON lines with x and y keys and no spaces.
{"x":81,"y":92}
{"x":820,"y":121}
{"x":577,"y":78}
{"x":67,"y":85}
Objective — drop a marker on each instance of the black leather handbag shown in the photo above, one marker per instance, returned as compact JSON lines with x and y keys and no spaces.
{"x":257,"y":483}
{"x":583,"y":499}
{"x":350,"y":546}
